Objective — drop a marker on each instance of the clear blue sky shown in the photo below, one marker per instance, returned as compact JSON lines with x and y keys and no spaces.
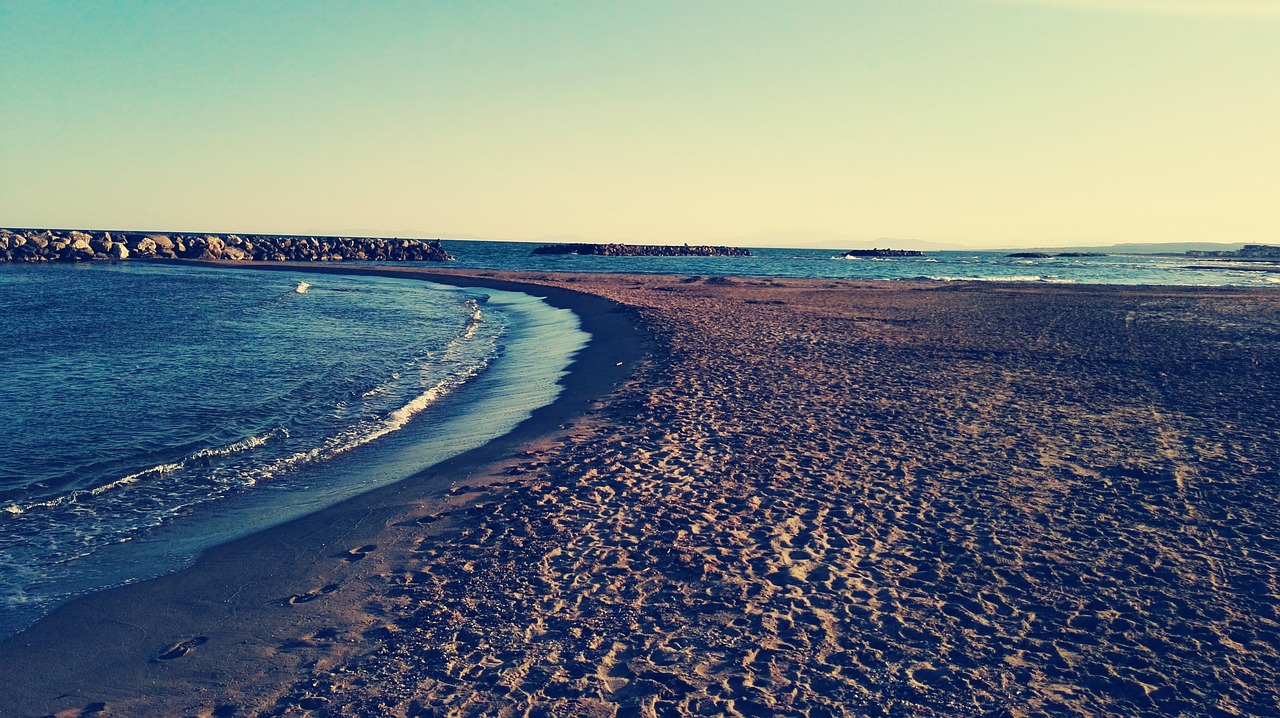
{"x":979,"y":122}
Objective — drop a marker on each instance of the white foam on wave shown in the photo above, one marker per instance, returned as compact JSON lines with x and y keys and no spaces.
{"x":382,"y":388}
{"x":474,"y":322}
{"x":73,"y":496}
{"x":473,"y":326}
{"x":358,"y":436}
{"x":159,"y":470}
{"x":395,"y":419}
{"x":995,"y":278}
{"x":252,"y":442}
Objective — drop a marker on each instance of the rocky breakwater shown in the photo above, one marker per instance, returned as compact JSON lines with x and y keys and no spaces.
{"x":642,"y":250}
{"x":50,"y":245}
{"x":883,"y":253}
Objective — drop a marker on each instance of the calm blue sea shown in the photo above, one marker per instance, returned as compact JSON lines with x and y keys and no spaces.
{"x":150,"y":412}
{"x":826,"y":263}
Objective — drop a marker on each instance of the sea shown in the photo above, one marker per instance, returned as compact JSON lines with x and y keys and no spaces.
{"x":831,"y":264}
{"x":150,"y":412}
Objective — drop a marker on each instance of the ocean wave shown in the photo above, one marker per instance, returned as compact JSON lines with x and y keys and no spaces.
{"x":381,"y":388}
{"x":469,"y":332}
{"x":366,"y":432}
{"x":474,"y":323}
{"x":252,"y":442}
{"x":470,"y":360}
{"x":996,"y":278}
{"x":203,"y":457}
{"x":73,"y":496}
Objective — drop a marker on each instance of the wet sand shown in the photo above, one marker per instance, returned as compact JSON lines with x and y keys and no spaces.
{"x":808,"y":498}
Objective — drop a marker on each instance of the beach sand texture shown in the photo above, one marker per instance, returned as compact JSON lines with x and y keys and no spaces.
{"x":820,"y":498}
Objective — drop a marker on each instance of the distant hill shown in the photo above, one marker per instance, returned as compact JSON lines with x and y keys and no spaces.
{"x":1141,"y":248}
{"x":843,"y":242}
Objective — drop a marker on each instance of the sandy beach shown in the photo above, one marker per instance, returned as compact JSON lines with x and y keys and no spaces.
{"x":769,"y":497}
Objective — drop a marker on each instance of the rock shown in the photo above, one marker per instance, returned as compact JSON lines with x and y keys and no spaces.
{"x":43,"y":245}
{"x":186,"y":250}
{"x":207,"y":247}
{"x":146,"y":247}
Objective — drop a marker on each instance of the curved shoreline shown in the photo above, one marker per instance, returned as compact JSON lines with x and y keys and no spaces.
{"x":110,"y":644}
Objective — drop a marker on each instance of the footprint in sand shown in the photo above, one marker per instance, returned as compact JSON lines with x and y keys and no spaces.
{"x":357,"y":554}
{"x":432,"y":518}
{"x":92,"y":709}
{"x":181,"y":648}
{"x":309,"y":596}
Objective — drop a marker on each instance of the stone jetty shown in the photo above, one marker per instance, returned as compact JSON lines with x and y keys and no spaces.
{"x":884,"y":253}
{"x":57,"y":245}
{"x":642,"y":250}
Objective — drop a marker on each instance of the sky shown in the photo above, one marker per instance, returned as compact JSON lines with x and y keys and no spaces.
{"x":982,"y":123}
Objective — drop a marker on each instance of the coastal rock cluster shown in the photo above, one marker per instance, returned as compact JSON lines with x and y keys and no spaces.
{"x":884,"y":253}
{"x":642,"y":250}
{"x":49,"y":245}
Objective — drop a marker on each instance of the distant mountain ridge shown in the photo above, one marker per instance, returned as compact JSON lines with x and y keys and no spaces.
{"x":1143,"y":248}
{"x":833,"y":240}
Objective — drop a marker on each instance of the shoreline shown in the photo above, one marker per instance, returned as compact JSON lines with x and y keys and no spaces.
{"x":811,"y":498}
{"x":185,"y":605}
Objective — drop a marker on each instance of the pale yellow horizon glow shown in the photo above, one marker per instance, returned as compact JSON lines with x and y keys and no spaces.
{"x":1201,"y":8}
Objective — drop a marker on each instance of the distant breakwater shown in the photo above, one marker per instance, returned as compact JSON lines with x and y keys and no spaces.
{"x":53,"y":245}
{"x":880,"y":253}
{"x":642,"y":250}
